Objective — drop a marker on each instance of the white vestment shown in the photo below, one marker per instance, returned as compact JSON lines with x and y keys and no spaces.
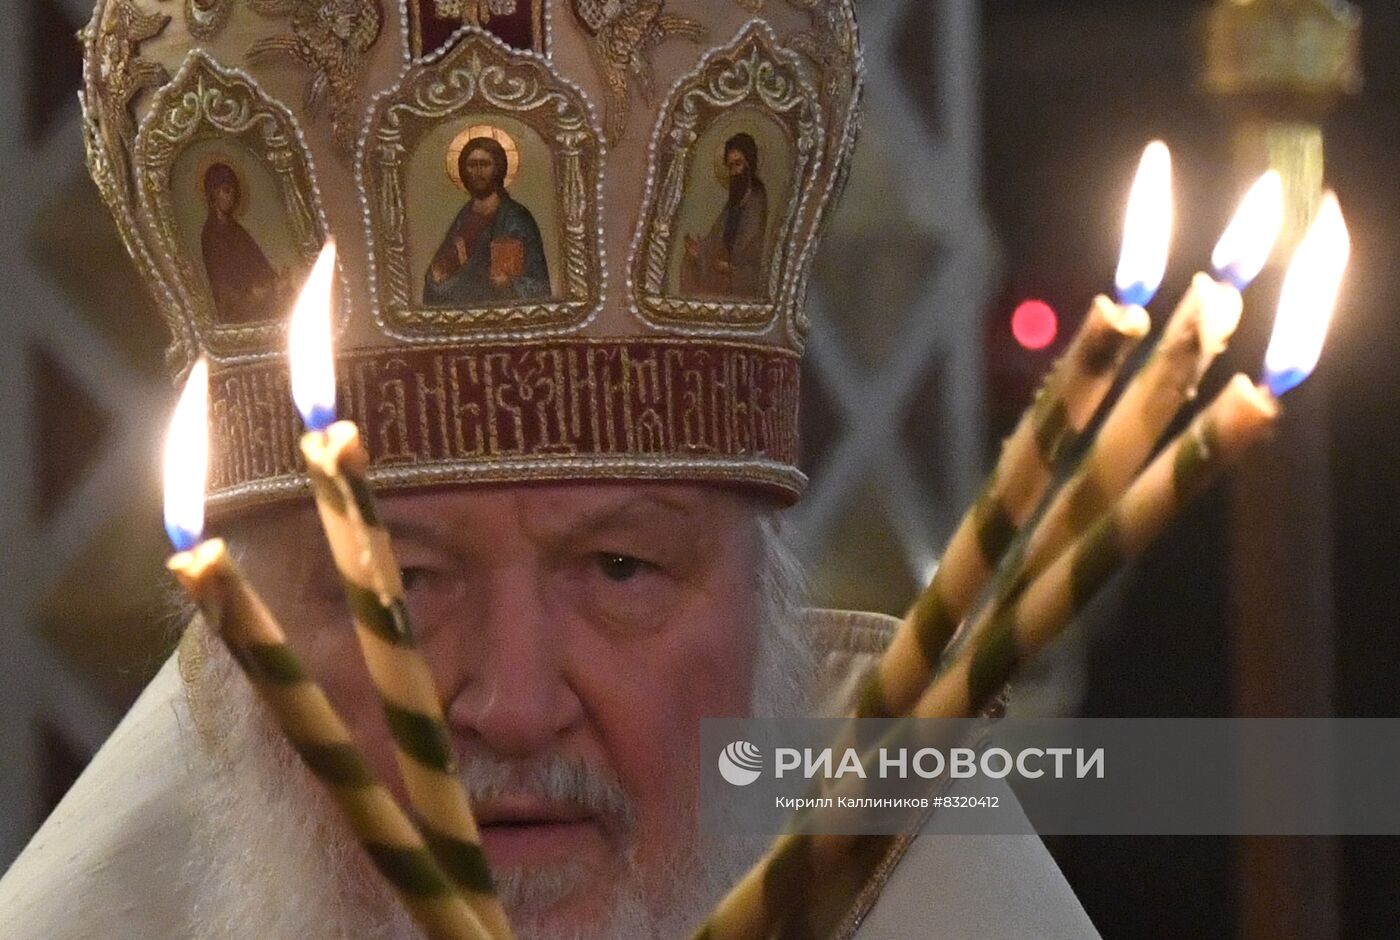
{"x":113,"y":860}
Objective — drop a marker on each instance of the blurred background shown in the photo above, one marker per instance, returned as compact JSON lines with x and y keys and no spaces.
{"x":999,"y":142}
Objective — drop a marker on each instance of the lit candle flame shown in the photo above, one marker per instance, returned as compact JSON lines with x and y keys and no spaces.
{"x":1248,"y":240}
{"x":187,"y":461}
{"x":1309,"y":296}
{"x":1147,"y":231}
{"x":309,"y":345}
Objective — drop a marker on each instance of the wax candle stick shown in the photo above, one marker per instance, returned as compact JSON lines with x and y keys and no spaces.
{"x":370,"y":575}
{"x":337,"y":462}
{"x":299,"y":706}
{"x":1240,"y":415}
{"x":1067,"y":400}
{"x":767,"y":902}
{"x":779,"y":895}
{"x":1197,"y":332}
{"x":1021,"y":623}
{"x":232,"y":609}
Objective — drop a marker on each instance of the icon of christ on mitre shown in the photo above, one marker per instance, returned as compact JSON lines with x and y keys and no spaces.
{"x":492,"y":251}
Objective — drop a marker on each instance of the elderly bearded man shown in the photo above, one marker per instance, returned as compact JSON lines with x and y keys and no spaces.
{"x":577,"y":642}
{"x":584,"y":497}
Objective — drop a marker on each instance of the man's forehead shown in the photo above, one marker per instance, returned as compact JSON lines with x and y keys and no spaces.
{"x":563,"y":509}
{"x":554,"y":510}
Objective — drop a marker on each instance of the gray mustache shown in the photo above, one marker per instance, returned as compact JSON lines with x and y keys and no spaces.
{"x":552,"y":778}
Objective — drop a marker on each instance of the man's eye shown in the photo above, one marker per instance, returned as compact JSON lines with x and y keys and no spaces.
{"x":620,"y":567}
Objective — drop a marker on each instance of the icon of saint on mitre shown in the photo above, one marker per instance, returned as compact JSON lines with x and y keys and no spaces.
{"x":492,"y":252}
{"x":728,"y":259}
{"x":245,"y":286}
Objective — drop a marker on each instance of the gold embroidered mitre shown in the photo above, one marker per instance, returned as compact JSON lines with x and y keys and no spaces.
{"x":574,"y":237}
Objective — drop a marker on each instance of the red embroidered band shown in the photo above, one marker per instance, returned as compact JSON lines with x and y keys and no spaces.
{"x":551,"y":410}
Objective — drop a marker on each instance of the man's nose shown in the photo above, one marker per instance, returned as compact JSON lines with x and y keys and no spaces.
{"x":512,"y":692}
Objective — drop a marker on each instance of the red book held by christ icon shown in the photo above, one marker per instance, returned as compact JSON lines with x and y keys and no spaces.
{"x":507,"y":257}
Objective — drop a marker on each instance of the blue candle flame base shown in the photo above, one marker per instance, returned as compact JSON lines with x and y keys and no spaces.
{"x":1136,"y":294}
{"x":183,"y":539}
{"x":1231,"y":274}
{"x":319,"y":417}
{"x":1280,"y":382}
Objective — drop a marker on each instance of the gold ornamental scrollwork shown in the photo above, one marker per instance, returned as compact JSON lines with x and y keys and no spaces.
{"x":114,"y":75}
{"x":117,"y":73}
{"x":479,"y":78}
{"x":752,"y":72}
{"x":331,"y":40}
{"x":832,"y":45}
{"x":622,"y":35}
{"x":206,"y":18}
{"x":205,"y":102}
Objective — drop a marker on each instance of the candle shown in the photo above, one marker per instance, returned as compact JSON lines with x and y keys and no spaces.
{"x":1239,"y":416}
{"x":337,"y":463}
{"x":1065,"y":403}
{"x":834,"y":867}
{"x":1067,"y":400}
{"x":231,"y":607}
{"x":1196,"y":333}
{"x":777,"y":894}
{"x":1010,"y":633}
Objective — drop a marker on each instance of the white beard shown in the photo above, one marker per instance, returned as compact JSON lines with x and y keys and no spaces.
{"x":272,"y":857}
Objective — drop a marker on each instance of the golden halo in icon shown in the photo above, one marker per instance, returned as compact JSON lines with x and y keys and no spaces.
{"x":507,"y":142}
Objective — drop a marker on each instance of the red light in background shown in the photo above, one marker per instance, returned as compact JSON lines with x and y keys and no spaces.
{"x":1034,"y":324}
